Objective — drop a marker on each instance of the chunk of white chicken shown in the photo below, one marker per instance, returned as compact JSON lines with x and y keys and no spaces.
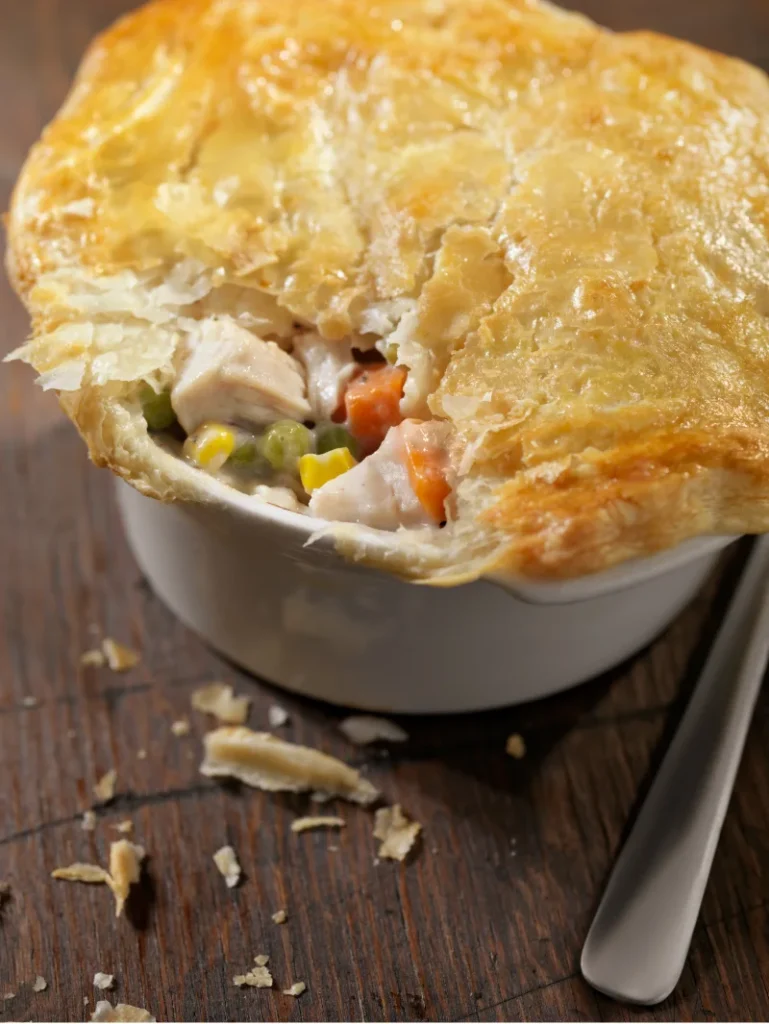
{"x":378,"y":491}
{"x":330,"y":366}
{"x":233,"y":376}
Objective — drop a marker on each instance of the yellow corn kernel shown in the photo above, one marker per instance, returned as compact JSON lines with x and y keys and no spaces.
{"x":210,"y":446}
{"x":316,"y":470}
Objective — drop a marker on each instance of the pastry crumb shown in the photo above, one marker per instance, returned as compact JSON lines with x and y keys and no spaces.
{"x":30,"y":702}
{"x":396,"y":832}
{"x":105,"y":787}
{"x":92,"y":874}
{"x":261,"y":960}
{"x":103,"y":981}
{"x":277,"y":716}
{"x":227,"y":863}
{"x":263,"y":761}
{"x":141,"y":754}
{"x":119,"y":657}
{"x":124,"y":827}
{"x":93,"y":657}
{"x":88,"y":824}
{"x":257,"y":977}
{"x":515,"y":746}
{"x":280,"y":917}
{"x":123,"y":1012}
{"x":181,"y":727}
{"x":39,"y":984}
{"x":295,"y":990}
{"x":218,"y":699}
{"x":364,"y":729}
{"x":8,"y":996}
{"x":125,"y":867}
{"x":124,"y":871}
{"x":304,"y":824}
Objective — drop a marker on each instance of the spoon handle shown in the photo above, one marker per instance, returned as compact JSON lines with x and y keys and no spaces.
{"x":636,"y":947}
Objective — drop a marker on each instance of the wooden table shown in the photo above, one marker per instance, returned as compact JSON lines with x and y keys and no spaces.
{"x":486,"y":922}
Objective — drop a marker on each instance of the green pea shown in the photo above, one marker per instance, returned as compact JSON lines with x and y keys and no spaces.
{"x":284,"y":443}
{"x":333,"y":436}
{"x":245,"y":454}
{"x":157,"y":408}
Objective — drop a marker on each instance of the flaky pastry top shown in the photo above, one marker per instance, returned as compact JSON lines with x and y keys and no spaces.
{"x":568,"y":230}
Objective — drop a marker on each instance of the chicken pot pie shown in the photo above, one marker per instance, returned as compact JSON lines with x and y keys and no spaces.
{"x":479,"y":285}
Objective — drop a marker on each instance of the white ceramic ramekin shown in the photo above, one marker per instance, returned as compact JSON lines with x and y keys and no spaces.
{"x":240,"y":575}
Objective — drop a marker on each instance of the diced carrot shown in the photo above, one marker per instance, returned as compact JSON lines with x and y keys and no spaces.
{"x":426,"y":466}
{"x":372,"y":402}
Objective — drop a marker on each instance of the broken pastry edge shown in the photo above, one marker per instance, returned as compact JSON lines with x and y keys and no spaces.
{"x":110,"y":420}
{"x":585,"y":533}
{"x":457,"y":554}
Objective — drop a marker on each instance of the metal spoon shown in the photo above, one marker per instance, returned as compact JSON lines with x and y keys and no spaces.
{"x":636,"y":947}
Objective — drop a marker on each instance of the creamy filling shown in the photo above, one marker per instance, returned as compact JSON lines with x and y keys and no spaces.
{"x":307,"y":423}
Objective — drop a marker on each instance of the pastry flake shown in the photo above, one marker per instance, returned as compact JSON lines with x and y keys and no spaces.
{"x":396,"y":832}
{"x":228,"y":866}
{"x":122,"y":1012}
{"x":295,"y":990}
{"x":92,"y":874}
{"x":218,"y":699}
{"x":119,"y":657}
{"x":258,"y":976}
{"x":104,"y":789}
{"x":308,"y":823}
{"x":515,"y":746}
{"x":277,"y":716}
{"x":94,"y":656}
{"x":364,"y":729}
{"x":263,"y":761}
{"x":125,"y":860}
{"x":125,"y":865}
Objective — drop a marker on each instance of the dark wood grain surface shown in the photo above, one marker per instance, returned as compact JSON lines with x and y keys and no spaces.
{"x":486,"y":922}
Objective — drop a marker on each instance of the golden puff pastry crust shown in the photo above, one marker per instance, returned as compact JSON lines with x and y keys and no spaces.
{"x":566,"y":230}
